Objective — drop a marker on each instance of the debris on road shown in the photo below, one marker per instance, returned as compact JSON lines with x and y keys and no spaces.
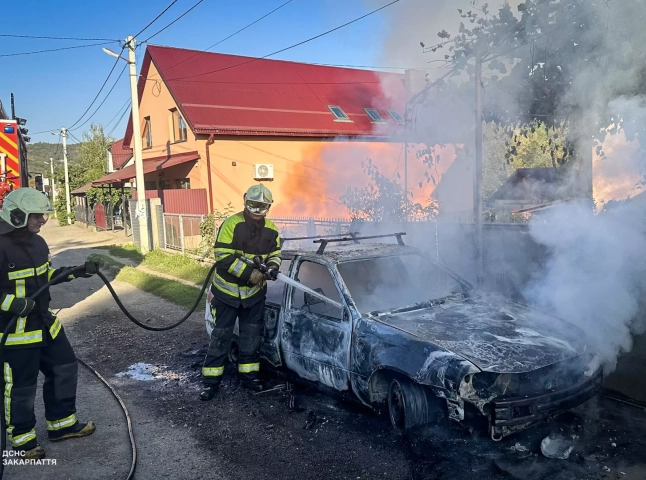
{"x":556,"y":446}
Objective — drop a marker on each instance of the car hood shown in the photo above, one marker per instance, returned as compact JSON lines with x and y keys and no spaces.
{"x":492,"y":333}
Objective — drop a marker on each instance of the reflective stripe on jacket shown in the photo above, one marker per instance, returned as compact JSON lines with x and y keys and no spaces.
{"x":239,"y":235}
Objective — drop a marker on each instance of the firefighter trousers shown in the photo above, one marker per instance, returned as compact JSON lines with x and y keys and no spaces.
{"x":58,"y":363}
{"x":251,"y":327}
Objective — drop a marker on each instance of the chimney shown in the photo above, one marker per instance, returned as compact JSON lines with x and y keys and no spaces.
{"x":414,"y":80}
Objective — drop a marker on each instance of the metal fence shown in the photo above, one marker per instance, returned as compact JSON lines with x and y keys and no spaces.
{"x":182,"y":232}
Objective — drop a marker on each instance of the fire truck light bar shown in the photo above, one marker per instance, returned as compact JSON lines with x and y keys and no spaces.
{"x":9,"y":129}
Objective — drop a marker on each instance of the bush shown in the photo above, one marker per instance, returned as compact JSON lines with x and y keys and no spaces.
{"x":61,"y":212}
{"x":209,"y":227}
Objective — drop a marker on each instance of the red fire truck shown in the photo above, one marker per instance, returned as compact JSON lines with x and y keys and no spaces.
{"x":13,"y":158}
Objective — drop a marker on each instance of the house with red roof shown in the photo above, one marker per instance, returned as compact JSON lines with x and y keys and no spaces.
{"x":214,"y":124}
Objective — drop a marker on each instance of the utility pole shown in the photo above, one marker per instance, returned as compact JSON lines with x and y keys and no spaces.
{"x":52,"y":183}
{"x":139,"y":165}
{"x":67,"y":177}
{"x":406,"y":178}
{"x":477,"y":190}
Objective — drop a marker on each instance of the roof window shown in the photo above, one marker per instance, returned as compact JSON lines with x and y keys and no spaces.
{"x":396,"y":116}
{"x":339,"y":114}
{"x":374,"y":115}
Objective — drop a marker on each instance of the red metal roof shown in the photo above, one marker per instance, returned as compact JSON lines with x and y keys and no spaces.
{"x":235,"y":95}
{"x":120,"y":154}
{"x":150,"y":165}
{"x":81,"y":190}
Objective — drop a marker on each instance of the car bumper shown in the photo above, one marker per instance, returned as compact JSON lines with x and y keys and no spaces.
{"x":512,"y":415}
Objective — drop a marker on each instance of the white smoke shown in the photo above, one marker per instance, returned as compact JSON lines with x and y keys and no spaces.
{"x":595,"y":274}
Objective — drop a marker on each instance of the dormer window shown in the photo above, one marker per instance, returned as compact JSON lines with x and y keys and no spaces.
{"x":374,"y":115}
{"x":339,"y":114}
{"x":396,"y":116}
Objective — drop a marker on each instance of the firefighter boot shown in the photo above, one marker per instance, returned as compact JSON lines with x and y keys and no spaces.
{"x":253,"y":384}
{"x":209,"y":391}
{"x":77,"y":430}
{"x":35,"y":453}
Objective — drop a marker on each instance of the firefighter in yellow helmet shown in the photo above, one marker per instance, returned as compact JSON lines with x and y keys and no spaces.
{"x":239,"y":289}
{"x":37,"y":342}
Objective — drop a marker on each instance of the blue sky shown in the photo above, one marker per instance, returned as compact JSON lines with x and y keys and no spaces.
{"x":53,"y":89}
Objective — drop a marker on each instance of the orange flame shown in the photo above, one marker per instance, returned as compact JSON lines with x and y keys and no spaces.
{"x":314,"y":185}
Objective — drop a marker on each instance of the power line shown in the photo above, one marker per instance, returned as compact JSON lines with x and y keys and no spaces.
{"x":118,"y":122}
{"x":291,"y":46}
{"x":56,"y":49}
{"x":104,"y":100}
{"x":125,"y":105}
{"x":156,"y":18}
{"x":178,"y":18}
{"x":230,"y":36}
{"x":99,"y":92}
{"x":60,"y":38}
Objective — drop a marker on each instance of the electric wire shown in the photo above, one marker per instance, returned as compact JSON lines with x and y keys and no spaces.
{"x":230,"y":36}
{"x":60,"y":38}
{"x":288,"y":48}
{"x":17,"y":54}
{"x":119,"y":112}
{"x":99,"y":92}
{"x":155,"y":19}
{"x":104,"y":100}
{"x":118,"y":122}
{"x":171,"y":23}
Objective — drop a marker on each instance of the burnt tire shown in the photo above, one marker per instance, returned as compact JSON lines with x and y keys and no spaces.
{"x":411,"y":405}
{"x":234,"y":351}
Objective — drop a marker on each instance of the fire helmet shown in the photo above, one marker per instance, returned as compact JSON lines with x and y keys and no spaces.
{"x":19,"y":204}
{"x":258,"y":199}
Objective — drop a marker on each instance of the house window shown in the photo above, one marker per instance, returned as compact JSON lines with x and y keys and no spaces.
{"x":147,"y":134}
{"x":151,"y":185}
{"x":184,"y":183}
{"x":179,"y":127}
{"x":374,"y":115}
{"x":164,"y":184}
{"x":396,"y":116}
{"x":339,"y":114}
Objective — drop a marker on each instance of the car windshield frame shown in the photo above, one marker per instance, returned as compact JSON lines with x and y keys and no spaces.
{"x":464,"y":285}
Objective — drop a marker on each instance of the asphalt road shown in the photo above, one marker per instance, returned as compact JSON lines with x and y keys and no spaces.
{"x":242,"y":436}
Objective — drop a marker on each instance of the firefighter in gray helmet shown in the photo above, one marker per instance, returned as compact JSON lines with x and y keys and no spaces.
{"x":37,"y":342}
{"x":238,"y":289}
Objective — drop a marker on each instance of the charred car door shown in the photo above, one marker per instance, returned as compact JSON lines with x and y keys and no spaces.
{"x":316,"y":335}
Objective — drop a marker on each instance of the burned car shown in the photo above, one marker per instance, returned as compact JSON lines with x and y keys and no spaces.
{"x":399,"y":331}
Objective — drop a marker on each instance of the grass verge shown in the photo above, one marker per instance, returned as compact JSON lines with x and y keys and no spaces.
{"x":171,"y":290}
{"x":177,"y":265}
{"x":105,"y":260}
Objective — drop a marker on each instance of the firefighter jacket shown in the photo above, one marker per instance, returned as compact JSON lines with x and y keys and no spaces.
{"x":240,"y":235}
{"x":24,"y":267}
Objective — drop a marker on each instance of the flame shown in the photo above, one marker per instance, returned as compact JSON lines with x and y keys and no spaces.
{"x":617,"y":176}
{"x":326,"y":170}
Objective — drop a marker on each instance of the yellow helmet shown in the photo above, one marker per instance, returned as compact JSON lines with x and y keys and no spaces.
{"x":258,"y":199}
{"x":19,"y":204}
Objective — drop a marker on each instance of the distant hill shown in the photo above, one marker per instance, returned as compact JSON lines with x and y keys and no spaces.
{"x":38,"y":155}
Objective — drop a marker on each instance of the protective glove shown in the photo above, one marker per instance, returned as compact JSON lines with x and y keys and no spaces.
{"x":271,"y":274}
{"x":21,"y":306}
{"x":256,"y":277}
{"x":87,"y":270}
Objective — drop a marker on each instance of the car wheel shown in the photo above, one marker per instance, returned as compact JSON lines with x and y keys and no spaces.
{"x":397,"y":406}
{"x":234,"y":350}
{"x":411,"y":405}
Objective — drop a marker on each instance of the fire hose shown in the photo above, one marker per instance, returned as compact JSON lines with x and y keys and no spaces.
{"x":256,"y":263}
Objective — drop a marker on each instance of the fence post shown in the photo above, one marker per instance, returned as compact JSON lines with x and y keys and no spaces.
{"x":164,"y":229}
{"x":181,"y":232}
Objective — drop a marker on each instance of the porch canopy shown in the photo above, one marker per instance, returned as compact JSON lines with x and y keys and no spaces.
{"x":150,"y":165}
{"x":81,"y":190}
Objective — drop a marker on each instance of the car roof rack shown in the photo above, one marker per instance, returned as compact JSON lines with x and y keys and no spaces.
{"x":356,"y":239}
{"x":352,"y":234}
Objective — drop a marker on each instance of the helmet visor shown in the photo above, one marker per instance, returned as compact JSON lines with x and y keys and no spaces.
{"x":257,"y":208}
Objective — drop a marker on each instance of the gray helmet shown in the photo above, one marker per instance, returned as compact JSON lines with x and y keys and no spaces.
{"x":19,"y":204}
{"x":258,"y":199}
